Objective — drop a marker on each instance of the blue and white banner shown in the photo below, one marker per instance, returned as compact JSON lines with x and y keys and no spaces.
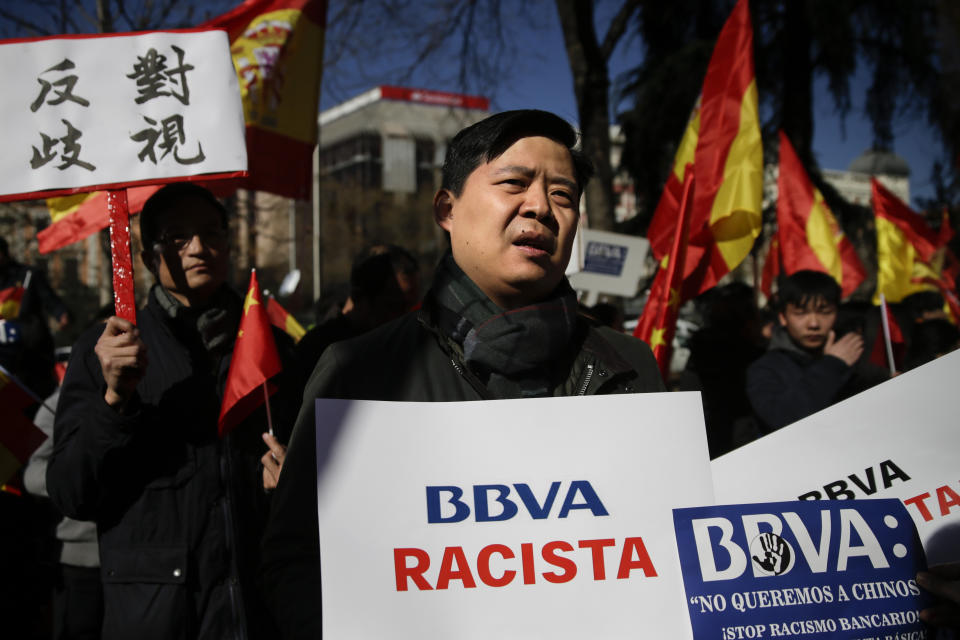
{"x":821,"y":569}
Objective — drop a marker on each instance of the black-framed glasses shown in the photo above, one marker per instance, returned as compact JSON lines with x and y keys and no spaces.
{"x":215,"y":238}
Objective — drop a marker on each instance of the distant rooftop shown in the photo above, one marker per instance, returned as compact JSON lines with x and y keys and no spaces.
{"x":880,"y":162}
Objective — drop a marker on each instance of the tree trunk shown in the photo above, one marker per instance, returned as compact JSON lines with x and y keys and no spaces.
{"x":591,"y":86}
{"x":797,"y":100}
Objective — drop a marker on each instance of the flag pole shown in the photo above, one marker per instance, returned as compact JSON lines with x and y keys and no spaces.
{"x":266,"y":401}
{"x":124,"y":304}
{"x":886,"y":333}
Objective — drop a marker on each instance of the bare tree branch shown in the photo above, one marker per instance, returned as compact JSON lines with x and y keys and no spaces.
{"x":617,"y":27}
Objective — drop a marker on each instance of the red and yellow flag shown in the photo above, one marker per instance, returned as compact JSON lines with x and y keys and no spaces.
{"x":281,"y":319}
{"x":277,"y":48}
{"x":19,"y":437}
{"x":75,"y":217}
{"x":809,"y":235}
{"x":10,"y":300}
{"x":722,"y":142}
{"x":255,"y":360}
{"x":906,"y":248}
{"x":658,"y":322}
{"x":771,"y":266}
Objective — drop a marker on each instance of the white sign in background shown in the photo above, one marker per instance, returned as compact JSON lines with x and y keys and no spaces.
{"x":900,"y":439}
{"x":620,"y":257}
{"x":112,"y":110}
{"x":642,"y":455}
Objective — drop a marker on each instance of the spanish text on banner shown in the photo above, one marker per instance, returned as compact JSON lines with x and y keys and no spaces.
{"x":535,"y":518}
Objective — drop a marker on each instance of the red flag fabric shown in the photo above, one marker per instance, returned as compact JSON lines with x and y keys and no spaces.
{"x":255,"y":360}
{"x":10,"y":299}
{"x":19,"y":437}
{"x":277,"y":48}
{"x":906,"y":248}
{"x":281,"y":319}
{"x":658,"y":321}
{"x":810,"y":237}
{"x":878,"y":355}
{"x":78,"y":216}
{"x":771,"y":266}
{"x":723,"y":143}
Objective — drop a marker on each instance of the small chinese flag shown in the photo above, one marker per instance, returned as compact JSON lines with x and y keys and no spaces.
{"x":19,"y":437}
{"x":658,"y":322}
{"x":255,"y":360}
{"x":281,"y":319}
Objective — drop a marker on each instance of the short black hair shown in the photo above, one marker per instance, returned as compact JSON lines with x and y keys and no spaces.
{"x":165,"y":199}
{"x":488,"y":139}
{"x":804,"y":286}
{"x":375,"y":268}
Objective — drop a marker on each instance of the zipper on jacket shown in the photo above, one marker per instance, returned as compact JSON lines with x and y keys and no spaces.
{"x":586,"y":381}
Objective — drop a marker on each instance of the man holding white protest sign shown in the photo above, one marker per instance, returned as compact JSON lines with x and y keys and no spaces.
{"x":500,"y":322}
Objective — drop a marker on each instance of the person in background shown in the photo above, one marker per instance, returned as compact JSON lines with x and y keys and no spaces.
{"x":179,"y":510}
{"x":807,"y":366}
{"x":26,"y":344}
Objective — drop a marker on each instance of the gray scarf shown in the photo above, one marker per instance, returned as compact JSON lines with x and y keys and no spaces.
{"x":513,"y":351}
{"x":216,"y":323}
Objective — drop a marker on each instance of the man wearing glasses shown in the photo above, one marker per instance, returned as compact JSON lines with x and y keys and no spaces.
{"x":178,"y":509}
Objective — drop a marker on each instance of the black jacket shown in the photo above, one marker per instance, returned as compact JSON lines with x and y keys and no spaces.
{"x":405,"y":360}
{"x":179,"y":511}
{"x":787,"y":383}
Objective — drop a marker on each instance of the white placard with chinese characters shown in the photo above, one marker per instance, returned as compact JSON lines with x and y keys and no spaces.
{"x":899,"y":439}
{"x":539,"y":518}
{"x":114,"y":110}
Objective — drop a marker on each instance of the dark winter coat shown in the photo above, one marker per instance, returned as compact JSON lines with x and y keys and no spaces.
{"x":405,"y":360}
{"x":788,"y":383}
{"x":179,"y":510}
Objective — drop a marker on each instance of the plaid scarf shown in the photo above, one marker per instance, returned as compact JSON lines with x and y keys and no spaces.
{"x":512,"y":351}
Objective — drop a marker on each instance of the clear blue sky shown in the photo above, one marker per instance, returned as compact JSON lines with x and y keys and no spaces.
{"x":539,"y":77}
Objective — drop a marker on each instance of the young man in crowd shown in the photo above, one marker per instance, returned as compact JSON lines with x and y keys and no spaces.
{"x":500,"y":321}
{"x":179,"y":510}
{"x":807,"y":367}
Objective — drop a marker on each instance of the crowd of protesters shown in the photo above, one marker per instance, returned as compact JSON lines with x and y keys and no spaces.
{"x":167,"y":530}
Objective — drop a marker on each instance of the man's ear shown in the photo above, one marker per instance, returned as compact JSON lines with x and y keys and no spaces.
{"x":443,"y":209}
{"x":782,"y":318}
{"x":150,"y":261}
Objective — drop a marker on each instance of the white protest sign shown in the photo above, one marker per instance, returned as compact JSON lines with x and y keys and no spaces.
{"x":897,"y":440}
{"x":108,"y":111}
{"x":538,"y":518}
{"x":607,"y":262}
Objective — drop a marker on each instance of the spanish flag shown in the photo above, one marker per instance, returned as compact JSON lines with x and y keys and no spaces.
{"x":906,"y":248}
{"x":77,"y":216}
{"x":658,"y":321}
{"x":10,"y":300}
{"x":808,"y":233}
{"x":771,"y":266}
{"x":255,"y":360}
{"x":277,"y":48}
{"x":722,"y":142}
{"x":281,"y":319}
{"x":19,"y":437}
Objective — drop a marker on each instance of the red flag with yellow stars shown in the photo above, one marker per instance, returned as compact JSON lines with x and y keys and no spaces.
{"x":19,"y":437}
{"x":722,"y":143}
{"x":658,"y":322}
{"x":255,"y":360}
{"x":810,"y":237}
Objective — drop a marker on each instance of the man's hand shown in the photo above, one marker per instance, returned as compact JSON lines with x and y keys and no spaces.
{"x":272,"y":462}
{"x":849,"y":348}
{"x":942,"y":580}
{"x":123,"y":360}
